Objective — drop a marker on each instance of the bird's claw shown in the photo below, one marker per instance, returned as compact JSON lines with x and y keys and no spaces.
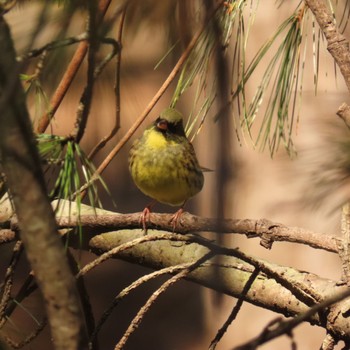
{"x":175,"y":218}
{"x":145,"y":216}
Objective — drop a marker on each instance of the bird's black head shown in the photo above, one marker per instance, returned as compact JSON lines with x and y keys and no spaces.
{"x":170,"y":122}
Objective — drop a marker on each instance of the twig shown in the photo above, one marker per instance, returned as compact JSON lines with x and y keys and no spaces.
{"x":125,"y":246}
{"x":116,"y":126}
{"x":285,"y":327}
{"x":131,"y":287}
{"x":28,"y":339}
{"x":69,"y":75}
{"x":234,"y":311}
{"x":233,"y":276}
{"x":300,"y":290}
{"x":27,"y":288}
{"x":85,"y":100}
{"x":141,"y":313}
{"x":52,"y":46}
{"x":8,"y":281}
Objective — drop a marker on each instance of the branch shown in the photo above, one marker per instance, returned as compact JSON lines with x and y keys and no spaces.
{"x":231,"y":275}
{"x":295,"y":291}
{"x":116,"y":126}
{"x":25,"y":180}
{"x":285,"y":326}
{"x":338,"y":45}
{"x":267,"y":230}
{"x":141,"y":313}
{"x":69,"y":75}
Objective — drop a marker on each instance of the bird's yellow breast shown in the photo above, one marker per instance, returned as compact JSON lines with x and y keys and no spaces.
{"x":155,"y":140}
{"x":165,"y":169}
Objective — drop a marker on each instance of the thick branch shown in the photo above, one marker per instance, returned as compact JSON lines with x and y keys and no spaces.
{"x":267,"y":230}
{"x":21,"y":165}
{"x":231,"y":275}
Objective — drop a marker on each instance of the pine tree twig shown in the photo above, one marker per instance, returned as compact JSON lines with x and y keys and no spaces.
{"x":86,"y":98}
{"x":53,"y":46}
{"x":131,"y":287}
{"x":282,"y":327}
{"x":27,"y":288}
{"x":299,"y":290}
{"x":28,"y":339}
{"x":116,"y":126}
{"x":5,"y":290}
{"x":234,"y":273}
{"x":234,"y":311}
{"x":69,"y":75}
{"x":188,"y":223}
{"x":141,"y":313}
{"x":126,"y":246}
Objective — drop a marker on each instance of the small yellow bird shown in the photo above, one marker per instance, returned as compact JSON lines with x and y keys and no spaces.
{"x":163,"y":163}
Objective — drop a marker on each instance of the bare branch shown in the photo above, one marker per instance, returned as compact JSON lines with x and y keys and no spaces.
{"x":69,"y":75}
{"x":285,"y":327}
{"x":141,"y":313}
{"x":25,"y":180}
{"x":338,"y":45}
{"x":234,"y":273}
{"x":267,"y":230}
{"x":116,"y":126}
{"x":132,"y":286}
{"x":234,"y":312}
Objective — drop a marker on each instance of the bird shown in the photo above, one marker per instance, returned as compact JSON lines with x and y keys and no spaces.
{"x":164,"y":166}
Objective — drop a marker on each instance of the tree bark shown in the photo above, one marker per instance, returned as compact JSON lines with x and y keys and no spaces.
{"x":274,"y":291}
{"x":44,"y":249}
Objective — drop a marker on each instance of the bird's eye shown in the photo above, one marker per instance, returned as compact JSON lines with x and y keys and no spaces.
{"x":162,"y":125}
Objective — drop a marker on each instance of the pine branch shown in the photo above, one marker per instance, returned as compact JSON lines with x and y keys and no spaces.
{"x":268,"y":231}
{"x":338,"y":45}
{"x":232,"y":273}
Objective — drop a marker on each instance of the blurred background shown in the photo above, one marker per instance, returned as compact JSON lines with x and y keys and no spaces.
{"x":281,"y":188}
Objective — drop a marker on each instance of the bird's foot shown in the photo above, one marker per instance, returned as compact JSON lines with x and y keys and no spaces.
{"x":175,"y":218}
{"x":145,"y":218}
